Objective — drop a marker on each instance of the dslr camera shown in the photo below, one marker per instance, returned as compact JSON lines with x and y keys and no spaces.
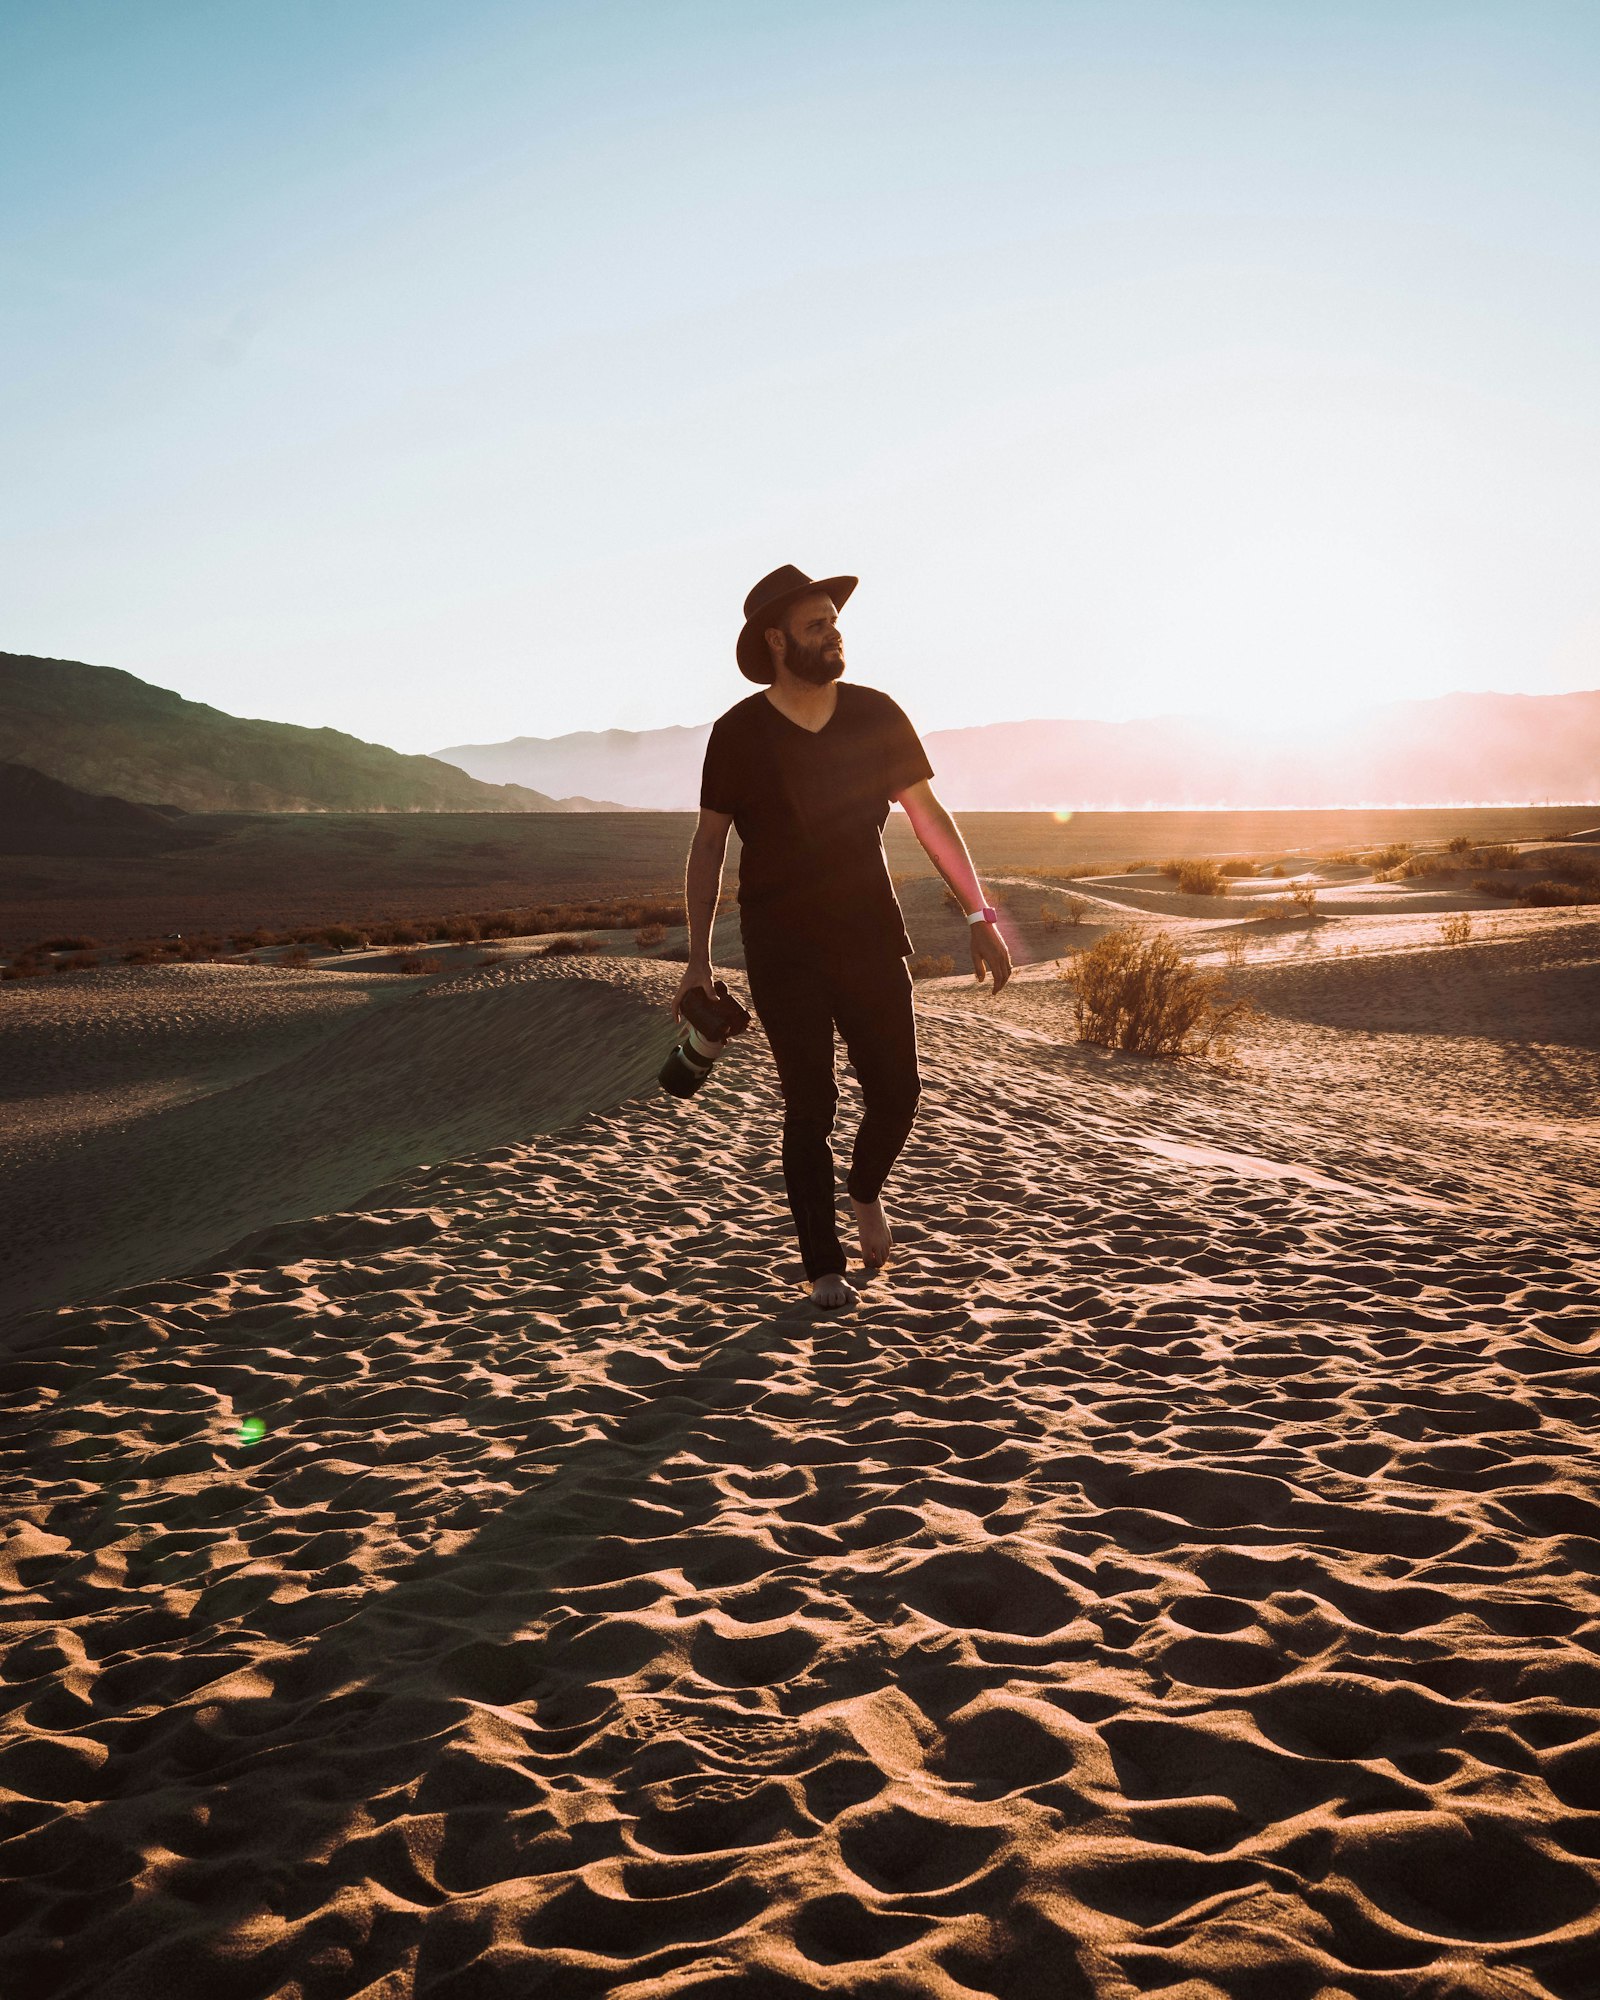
{"x":711,"y":1020}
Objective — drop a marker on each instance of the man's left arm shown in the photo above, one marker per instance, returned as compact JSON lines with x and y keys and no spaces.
{"x":942,"y":842}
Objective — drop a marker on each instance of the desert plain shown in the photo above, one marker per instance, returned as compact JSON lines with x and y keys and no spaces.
{"x":448,"y":1556}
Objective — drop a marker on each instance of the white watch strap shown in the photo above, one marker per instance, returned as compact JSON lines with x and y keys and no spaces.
{"x":975,"y":916}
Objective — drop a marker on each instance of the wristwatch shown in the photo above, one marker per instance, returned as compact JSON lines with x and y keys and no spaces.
{"x":987,"y":915}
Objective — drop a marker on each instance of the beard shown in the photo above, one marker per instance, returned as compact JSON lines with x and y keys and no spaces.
{"x":817,"y":664}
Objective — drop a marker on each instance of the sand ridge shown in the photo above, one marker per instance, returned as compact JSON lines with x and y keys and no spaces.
{"x":1178,"y":1577}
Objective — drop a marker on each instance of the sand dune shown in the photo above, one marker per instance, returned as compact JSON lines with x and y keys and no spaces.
{"x":1177,"y":1578}
{"x":367,"y":1088}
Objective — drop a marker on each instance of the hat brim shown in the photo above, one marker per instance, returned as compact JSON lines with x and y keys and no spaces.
{"x":755,"y":662}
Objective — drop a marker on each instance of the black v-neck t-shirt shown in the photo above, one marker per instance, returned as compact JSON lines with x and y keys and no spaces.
{"x":809,"y":807}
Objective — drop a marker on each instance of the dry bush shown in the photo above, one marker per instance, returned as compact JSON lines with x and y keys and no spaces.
{"x":1236,"y":950}
{"x":297,"y":954}
{"x":1458,"y":843}
{"x":1486,"y":887}
{"x":1138,"y":992}
{"x":498,"y":924}
{"x":649,"y":935}
{"x":1456,"y":929}
{"x":1238,"y":866}
{"x":1196,"y":877}
{"x":458,"y":930}
{"x":1305,"y":897}
{"x":27,"y":965}
{"x":931,"y":965}
{"x":1424,"y":865}
{"x":1070,"y":910}
{"x":1548,"y":895}
{"x":1049,"y":917}
{"x":1496,"y":855}
{"x":80,"y":961}
{"x":1571,"y":868}
{"x":1076,"y":908}
{"x":1388,"y":857}
{"x":561,"y":947}
{"x":409,"y":961}
{"x":67,"y":944}
{"x":1075,"y":873}
{"x":340,"y":937}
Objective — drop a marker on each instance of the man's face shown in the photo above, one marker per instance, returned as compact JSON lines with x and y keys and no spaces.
{"x":815,"y":651}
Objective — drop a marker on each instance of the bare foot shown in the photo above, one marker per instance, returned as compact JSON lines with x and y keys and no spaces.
{"x":831,"y":1290}
{"x":876,"y":1236}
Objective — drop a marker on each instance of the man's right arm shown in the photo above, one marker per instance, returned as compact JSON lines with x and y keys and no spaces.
{"x":702,"y":890}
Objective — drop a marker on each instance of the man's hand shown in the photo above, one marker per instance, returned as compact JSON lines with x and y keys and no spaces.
{"x":693,"y":975}
{"x":989,"y":953}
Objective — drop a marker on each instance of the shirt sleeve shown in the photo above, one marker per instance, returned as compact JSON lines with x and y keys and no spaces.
{"x":904,"y":759}
{"x":717,"y":789}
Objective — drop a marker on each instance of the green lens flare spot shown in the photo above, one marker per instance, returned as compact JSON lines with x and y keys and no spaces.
{"x":252,"y":1431}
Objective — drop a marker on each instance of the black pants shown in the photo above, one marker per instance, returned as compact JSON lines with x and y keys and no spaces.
{"x":799,"y":999}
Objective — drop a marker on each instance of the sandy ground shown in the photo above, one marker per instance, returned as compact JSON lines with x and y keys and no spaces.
{"x":1178,"y":1577}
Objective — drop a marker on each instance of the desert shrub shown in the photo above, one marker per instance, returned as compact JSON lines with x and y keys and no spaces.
{"x":67,"y":944}
{"x":1456,"y":929}
{"x":1277,"y":869}
{"x":1548,"y":895}
{"x":409,"y":961}
{"x":340,"y":937}
{"x":562,"y":947}
{"x":1237,"y":867}
{"x":1423,"y":865}
{"x":1486,"y":887}
{"x":458,"y":930}
{"x":80,"y":961}
{"x":1197,"y":877}
{"x":1496,"y":855}
{"x":1139,"y":993}
{"x":1571,"y":868}
{"x":1049,"y":917}
{"x":931,"y":965}
{"x":1073,"y":872}
{"x":1235,"y":950}
{"x":297,"y":954}
{"x":1070,"y":910}
{"x":1304,"y":895}
{"x":1458,"y":843}
{"x":26,"y":965}
{"x":1076,"y":908}
{"x":498,"y":924}
{"x":649,"y":935}
{"x":1388,"y":857}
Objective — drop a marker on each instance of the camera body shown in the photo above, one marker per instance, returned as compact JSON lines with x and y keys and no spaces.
{"x":711,"y":1020}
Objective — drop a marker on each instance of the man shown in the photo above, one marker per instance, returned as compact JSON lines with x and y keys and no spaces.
{"x":807,"y":769}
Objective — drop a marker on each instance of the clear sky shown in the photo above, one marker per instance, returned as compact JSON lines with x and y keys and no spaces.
{"x":447,"y":372}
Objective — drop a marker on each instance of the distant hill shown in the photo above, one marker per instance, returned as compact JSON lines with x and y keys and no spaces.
{"x":1458,"y":749}
{"x":107,"y":732}
{"x":40,"y":815}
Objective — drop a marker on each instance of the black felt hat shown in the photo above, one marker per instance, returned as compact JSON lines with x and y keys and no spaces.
{"x":781,"y":587}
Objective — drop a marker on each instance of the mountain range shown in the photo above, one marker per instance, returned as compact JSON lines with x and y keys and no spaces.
{"x":102,"y":731}
{"x":1455,"y":749}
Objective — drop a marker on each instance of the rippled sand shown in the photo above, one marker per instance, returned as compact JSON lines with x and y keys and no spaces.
{"x":1178,"y":1576}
